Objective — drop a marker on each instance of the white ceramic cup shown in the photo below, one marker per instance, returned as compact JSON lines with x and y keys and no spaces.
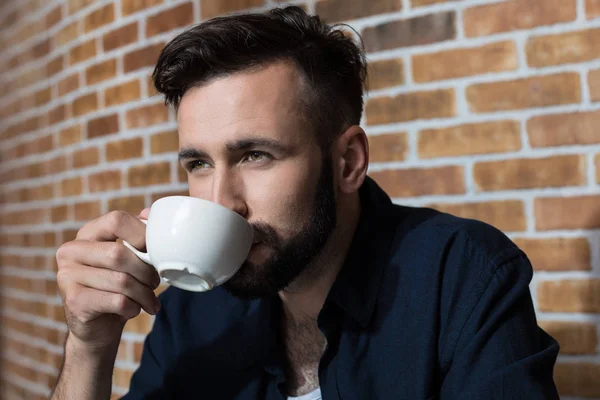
{"x":195,"y":244}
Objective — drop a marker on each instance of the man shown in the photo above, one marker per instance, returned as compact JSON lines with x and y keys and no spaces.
{"x":345,"y":295}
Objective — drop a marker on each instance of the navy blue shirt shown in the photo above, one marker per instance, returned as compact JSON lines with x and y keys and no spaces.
{"x":426,"y":306}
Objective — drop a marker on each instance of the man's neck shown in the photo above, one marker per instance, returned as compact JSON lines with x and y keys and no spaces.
{"x":304,"y":298}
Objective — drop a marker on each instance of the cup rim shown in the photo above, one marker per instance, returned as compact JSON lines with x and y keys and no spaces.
{"x":187,"y":198}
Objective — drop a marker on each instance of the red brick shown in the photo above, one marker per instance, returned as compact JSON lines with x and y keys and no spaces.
{"x":87,"y":211}
{"x":597,"y":163}
{"x":55,"y":66}
{"x":420,"y":3}
{"x":573,"y":337}
{"x":122,"y":377}
{"x":122,"y":93}
{"x":41,"y":49}
{"x":69,"y":135}
{"x":57,"y":114}
{"x":164,"y":142}
{"x":415,"y":31}
{"x":213,"y":8}
{"x":76,"y":5}
{"x":146,"y":175}
{"x":569,"y":295}
{"x":100,"y":17}
{"x":34,"y":216}
{"x":131,"y":204}
{"x":156,"y":196}
{"x":578,"y":379}
{"x":594,"y":84}
{"x":39,"y":145}
{"x":411,"y":106}
{"x":147,"y":116}
{"x":506,"y":215}
{"x":120,"y":37}
{"x":164,"y":21}
{"x":85,"y":104}
{"x":340,"y":10}
{"x":100,"y":72}
{"x":140,"y":324}
{"x":124,"y":149}
{"x":68,"y":84}
{"x":539,"y":91}
{"x":578,"y":128}
{"x":563,"y":48}
{"x":86,"y":157}
{"x":72,"y":186}
{"x":425,"y":181}
{"x":103,"y":126}
{"x":53,"y":17}
{"x":527,"y":173}
{"x":388,"y":147}
{"x":448,"y":64}
{"x":105,"y":181}
{"x":558,"y":212}
{"x":144,"y":57}
{"x":592,"y":8}
{"x":475,"y":138}
{"x":59,"y":213}
{"x":82,"y":52}
{"x":385,"y":73}
{"x":516,"y":14}
{"x":132,"y":6}
{"x":557,"y":254}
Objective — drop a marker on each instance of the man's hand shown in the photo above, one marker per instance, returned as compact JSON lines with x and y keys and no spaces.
{"x":102,"y":283}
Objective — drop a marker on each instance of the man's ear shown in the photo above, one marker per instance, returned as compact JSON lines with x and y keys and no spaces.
{"x":352,"y":157}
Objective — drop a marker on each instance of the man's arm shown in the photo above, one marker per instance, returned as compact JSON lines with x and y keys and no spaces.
{"x":500,"y":352}
{"x":85,"y":374}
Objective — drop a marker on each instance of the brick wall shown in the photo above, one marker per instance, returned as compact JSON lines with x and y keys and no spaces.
{"x":483,"y":108}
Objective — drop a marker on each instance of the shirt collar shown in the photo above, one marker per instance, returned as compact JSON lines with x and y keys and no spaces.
{"x":357,"y":285}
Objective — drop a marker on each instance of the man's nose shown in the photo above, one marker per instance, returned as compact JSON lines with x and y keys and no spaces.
{"x":226,"y":191}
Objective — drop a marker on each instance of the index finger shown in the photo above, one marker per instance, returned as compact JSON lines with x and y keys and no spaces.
{"x":115,"y":225}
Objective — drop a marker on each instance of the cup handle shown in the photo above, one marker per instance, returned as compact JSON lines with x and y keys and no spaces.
{"x":141,"y":255}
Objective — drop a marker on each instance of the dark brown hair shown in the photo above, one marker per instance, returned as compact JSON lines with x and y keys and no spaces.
{"x":333,"y":65}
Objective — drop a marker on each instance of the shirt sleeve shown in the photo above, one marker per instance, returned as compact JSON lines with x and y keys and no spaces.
{"x":147,"y":382}
{"x":500,"y":352}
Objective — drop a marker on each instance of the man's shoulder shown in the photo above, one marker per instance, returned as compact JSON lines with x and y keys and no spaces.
{"x":439,"y":234}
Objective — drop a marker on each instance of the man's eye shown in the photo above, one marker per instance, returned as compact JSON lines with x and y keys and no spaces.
{"x":197,"y":164}
{"x":257,"y":156}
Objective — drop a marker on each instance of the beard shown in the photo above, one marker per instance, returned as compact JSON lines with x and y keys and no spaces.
{"x":291,"y":257}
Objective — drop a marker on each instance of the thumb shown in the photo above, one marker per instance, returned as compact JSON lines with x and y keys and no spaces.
{"x":144,"y":214}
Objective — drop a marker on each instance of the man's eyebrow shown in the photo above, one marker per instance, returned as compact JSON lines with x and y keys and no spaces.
{"x":187,"y":153}
{"x":247,"y":144}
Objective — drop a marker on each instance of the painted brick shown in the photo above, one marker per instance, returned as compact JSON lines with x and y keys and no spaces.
{"x":563,"y":48}
{"x":411,"y":106}
{"x":147,"y":116}
{"x":564,"y":129}
{"x":172,"y":18}
{"x":124,"y":149}
{"x":341,"y":10}
{"x":539,"y":91}
{"x":122,"y":93}
{"x":569,"y":295}
{"x":388,"y":147}
{"x":164,"y":142}
{"x":120,"y":37}
{"x":515,"y":15}
{"x":527,"y":173}
{"x":468,"y":139}
{"x":506,"y":215}
{"x":557,"y":212}
{"x":456,"y":63}
{"x":556,"y":254}
{"x":152,"y":174}
{"x":573,"y":337}
{"x":426,"y":181}
{"x":385,"y":73}
{"x":415,"y":31}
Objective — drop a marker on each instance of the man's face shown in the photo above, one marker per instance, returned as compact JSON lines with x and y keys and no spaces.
{"x":246,"y":144}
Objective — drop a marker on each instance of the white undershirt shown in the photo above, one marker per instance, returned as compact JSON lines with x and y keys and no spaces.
{"x":314,"y":395}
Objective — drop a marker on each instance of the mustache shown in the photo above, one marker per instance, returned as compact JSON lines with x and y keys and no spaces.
{"x":265,"y":233}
